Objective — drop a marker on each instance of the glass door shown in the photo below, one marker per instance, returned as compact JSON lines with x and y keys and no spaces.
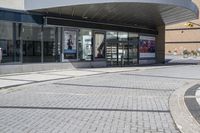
{"x":122,"y":50}
{"x":112,"y":54}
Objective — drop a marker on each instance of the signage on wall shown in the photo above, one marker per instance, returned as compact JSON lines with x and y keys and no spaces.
{"x":69,"y":45}
{"x":147,"y":47}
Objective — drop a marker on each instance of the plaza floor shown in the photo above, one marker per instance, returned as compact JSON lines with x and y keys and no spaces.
{"x":104,"y":100}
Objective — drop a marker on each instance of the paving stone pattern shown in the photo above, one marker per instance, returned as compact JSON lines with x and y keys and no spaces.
{"x":122,"y":102}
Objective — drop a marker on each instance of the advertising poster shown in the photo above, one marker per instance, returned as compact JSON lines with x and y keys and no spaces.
{"x":69,"y":44}
{"x":147,"y":47}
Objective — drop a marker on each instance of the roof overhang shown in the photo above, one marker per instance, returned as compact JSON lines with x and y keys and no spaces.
{"x":150,"y":13}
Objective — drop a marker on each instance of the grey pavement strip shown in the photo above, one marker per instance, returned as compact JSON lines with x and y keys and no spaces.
{"x":179,"y":111}
{"x":30,"y":82}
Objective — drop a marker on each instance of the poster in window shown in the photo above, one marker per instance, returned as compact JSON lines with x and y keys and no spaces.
{"x":69,"y":44}
{"x":147,"y":47}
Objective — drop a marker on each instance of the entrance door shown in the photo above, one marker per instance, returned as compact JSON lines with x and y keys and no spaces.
{"x":112,"y":53}
{"x":117,"y":54}
{"x":121,"y":53}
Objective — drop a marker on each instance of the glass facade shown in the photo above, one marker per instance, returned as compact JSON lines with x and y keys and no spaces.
{"x":29,"y":43}
{"x":32,"y":43}
{"x":8,"y":44}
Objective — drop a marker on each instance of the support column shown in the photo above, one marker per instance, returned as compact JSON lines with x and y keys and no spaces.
{"x":20,"y":30}
{"x":160,"y":45}
{"x":14,"y":43}
{"x":61,"y":45}
{"x":56,"y":44}
{"x":42,"y":44}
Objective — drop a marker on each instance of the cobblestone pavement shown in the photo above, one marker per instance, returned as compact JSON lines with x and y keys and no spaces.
{"x":121,"y":102}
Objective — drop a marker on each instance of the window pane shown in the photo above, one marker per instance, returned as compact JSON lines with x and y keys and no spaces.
{"x":7,"y":47}
{"x":85,"y":44}
{"x":111,"y":36}
{"x":49,"y":49}
{"x":31,"y":36}
{"x":133,"y":36}
{"x":122,"y":36}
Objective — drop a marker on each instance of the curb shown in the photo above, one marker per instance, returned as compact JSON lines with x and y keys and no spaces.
{"x":182,"y":117}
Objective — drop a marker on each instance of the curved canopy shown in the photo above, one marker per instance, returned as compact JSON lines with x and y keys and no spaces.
{"x":149,"y":13}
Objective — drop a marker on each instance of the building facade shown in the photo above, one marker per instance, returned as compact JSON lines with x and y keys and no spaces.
{"x":181,"y":37}
{"x":34,"y":33}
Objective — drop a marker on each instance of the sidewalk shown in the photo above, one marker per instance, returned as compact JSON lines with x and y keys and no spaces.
{"x":11,"y":80}
{"x":34,"y":77}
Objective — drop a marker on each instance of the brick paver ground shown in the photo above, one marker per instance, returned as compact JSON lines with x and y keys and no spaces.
{"x":121,"y":102}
